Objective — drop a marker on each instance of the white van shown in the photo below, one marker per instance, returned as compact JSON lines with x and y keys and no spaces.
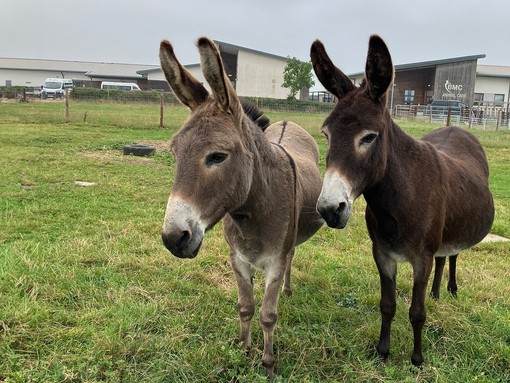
{"x":55,"y":87}
{"x":108,"y":85}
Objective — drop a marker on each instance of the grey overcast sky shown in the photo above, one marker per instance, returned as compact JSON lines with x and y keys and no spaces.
{"x":129,"y":31}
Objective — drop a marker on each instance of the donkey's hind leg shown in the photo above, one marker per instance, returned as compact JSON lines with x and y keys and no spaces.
{"x":287,"y":290}
{"x":245,"y":303}
{"x":438,"y":275}
{"x":452,"y":278}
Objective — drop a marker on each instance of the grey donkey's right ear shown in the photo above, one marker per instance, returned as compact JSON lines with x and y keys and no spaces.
{"x":187,"y":89}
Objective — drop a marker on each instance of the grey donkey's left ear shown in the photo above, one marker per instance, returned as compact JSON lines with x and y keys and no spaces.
{"x":186,"y":88}
{"x":212,"y":67}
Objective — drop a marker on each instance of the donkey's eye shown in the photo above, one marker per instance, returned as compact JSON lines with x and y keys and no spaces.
{"x":368,"y":139}
{"x":215,"y":158}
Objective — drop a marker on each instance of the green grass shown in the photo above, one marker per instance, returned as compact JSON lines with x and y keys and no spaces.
{"x":89,"y":294}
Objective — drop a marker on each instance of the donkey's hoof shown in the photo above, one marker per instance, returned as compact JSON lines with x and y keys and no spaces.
{"x":417,"y":361}
{"x":453,"y":292}
{"x":287,"y":292}
{"x":269,"y":370}
{"x":382,"y":355}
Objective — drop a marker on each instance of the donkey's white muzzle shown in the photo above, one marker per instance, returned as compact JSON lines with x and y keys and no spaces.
{"x":335,"y":201}
{"x":182,"y":231}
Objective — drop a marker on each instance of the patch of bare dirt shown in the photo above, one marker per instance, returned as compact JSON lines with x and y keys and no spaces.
{"x":116,"y":155}
{"x":495,"y":238}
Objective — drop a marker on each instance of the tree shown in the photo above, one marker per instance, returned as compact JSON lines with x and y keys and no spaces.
{"x":297,"y":75}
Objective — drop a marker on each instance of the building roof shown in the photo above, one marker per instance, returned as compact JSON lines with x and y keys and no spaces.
{"x":433,"y":63}
{"x":224,"y":47}
{"x":231,"y":48}
{"x":108,"y":70}
{"x":91,"y":69}
{"x":430,"y":64}
{"x":40,"y":64}
{"x":493,"y":71}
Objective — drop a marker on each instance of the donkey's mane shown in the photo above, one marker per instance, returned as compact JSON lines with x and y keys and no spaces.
{"x":255,"y":114}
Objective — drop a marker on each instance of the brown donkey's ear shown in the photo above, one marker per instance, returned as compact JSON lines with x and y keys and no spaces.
{"x":378,"y":69}
{"x":222,"y":88}
{"x":187,"y":89}
{"x":328,"y":74}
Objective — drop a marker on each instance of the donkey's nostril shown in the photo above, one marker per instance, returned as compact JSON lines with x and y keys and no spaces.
{"x":184,"y":238}
{"x":176,"y":241}
{"x":341,"y":207}
{"x":335,"y":215}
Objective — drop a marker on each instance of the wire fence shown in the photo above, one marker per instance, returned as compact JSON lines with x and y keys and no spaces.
{"x":26,"y":94}
{"x":488,"y":117}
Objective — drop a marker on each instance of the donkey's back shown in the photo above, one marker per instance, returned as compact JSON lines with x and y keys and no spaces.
{"x":302,"y":148}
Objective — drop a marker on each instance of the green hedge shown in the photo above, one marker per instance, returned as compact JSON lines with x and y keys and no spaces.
{"x":266,"y":104}
{"x":92,"y":94}
{"x":11,"y":91}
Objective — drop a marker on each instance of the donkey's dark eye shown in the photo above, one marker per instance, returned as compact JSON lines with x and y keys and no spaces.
{"x":368,"y":139}
{"x":215,"y":158}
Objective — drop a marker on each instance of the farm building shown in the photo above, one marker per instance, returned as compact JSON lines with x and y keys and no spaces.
{"x":253,"y":73}
{"x":459,"y":78}
{"x":33,"y":72}
{"x":260,"y":74}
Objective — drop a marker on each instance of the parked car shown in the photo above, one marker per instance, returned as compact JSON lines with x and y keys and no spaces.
{"x":55,"y":87}
{"x":439,"y":108}
{"x":127,"y":86}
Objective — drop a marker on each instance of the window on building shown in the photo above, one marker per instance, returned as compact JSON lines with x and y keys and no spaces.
{"x":409,"y":96}
{"x":478,"y":100}
{"x":499,"y":99}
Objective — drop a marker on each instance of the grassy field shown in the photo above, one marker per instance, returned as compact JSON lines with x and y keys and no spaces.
{"x":89,"y":294}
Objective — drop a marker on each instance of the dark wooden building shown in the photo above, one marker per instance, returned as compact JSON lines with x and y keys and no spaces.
{"x":419,"y":83}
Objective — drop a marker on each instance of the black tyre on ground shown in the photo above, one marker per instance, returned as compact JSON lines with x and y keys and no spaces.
{"x":139,"y":150}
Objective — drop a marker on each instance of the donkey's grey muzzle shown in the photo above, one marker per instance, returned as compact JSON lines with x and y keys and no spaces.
{"x":334,"y":203}
{"x":336,"y":216}
{"x":182,"y":232}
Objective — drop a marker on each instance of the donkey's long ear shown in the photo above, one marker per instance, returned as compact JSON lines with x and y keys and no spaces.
{"x":187,"y":89}
{"x":222,"y":88}
{"x":378,"y":69}
{"x":328,"y":74}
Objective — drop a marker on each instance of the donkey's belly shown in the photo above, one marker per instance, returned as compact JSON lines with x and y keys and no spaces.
{"x":447,"y":250}
{"x":443,"y":251}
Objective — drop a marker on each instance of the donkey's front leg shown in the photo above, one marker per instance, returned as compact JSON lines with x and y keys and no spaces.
{"x":387,"y":268}
{"x":417,"y":314}
{"x":245,"y":302}
{"x":274,"y":274}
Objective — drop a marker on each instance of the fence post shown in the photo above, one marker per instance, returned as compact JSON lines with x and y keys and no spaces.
{"x":448,"y":116}
{"x":161,"y":108}
{"x":66,"y":116}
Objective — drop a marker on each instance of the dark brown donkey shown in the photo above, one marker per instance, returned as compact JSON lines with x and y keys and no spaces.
{"x":427,"y":198}
{"x":263,"y":183}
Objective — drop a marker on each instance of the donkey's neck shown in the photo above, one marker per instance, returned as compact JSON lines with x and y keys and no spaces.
{"x":404,"y":156}
{"x":270,"y":170}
